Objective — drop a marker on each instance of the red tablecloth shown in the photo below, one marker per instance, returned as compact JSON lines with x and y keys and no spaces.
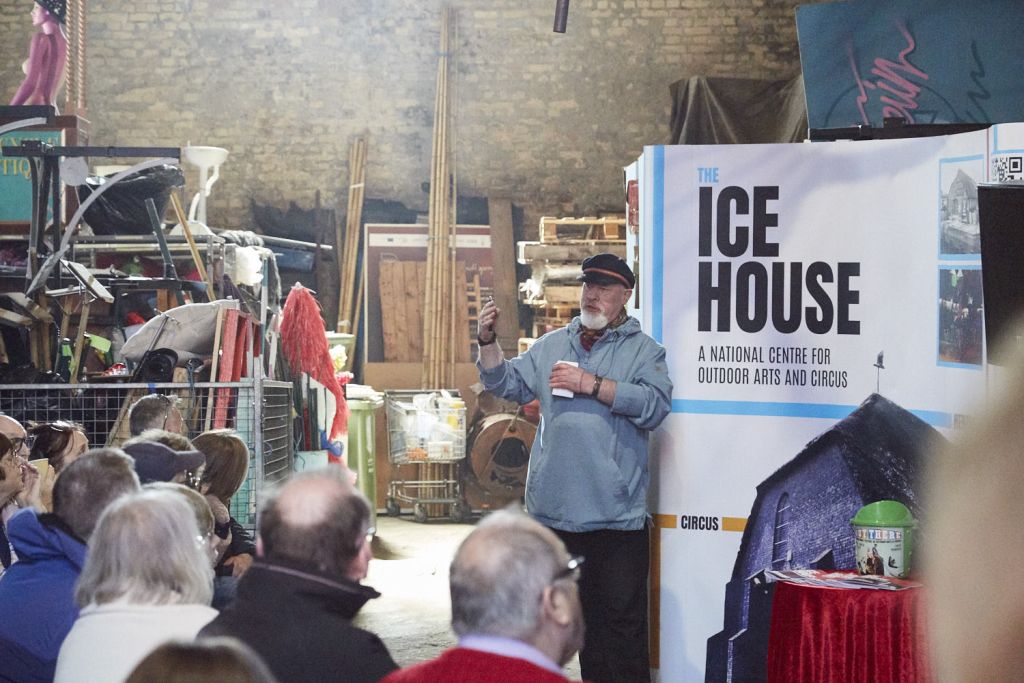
{"x":828,"y":635}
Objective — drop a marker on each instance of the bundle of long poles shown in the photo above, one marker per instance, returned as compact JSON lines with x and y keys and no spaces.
{"x":350,"y":293}
{"x":439,"y":292}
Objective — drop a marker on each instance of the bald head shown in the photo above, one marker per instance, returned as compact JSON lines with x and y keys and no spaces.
{"x":501,"y":577}
{"x":317,"y":520}
{"x":13,"y":430}
{"x":502,"y":536}
{"x":308,"y":501}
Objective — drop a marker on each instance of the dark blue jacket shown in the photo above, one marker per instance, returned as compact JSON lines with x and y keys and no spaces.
{"x":37,"y":595}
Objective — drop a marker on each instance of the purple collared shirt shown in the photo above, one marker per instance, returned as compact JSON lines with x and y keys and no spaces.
{"x":509,"y":647}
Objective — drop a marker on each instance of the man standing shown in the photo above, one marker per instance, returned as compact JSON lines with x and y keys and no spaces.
{"x":295,"y":605}
{"x":603,"y":385}
{"x":515,"y":607}
{"x":37,"y":592}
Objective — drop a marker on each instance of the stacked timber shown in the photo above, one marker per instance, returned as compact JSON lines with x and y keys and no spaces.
{"x":553,"y":290}
{"x":439,"y":320}
{"x":350,"y":294}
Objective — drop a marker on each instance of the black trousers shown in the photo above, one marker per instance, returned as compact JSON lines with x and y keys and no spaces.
{"x":613,"y":592}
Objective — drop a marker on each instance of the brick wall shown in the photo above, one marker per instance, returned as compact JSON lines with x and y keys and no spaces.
{"x":547,"y":119}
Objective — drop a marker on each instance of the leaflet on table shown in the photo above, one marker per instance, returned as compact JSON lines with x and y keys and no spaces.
{"x":830,"y":579}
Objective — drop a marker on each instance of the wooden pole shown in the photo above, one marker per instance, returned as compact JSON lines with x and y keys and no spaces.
{"x":83,"y":322}
{"x":435,"y":215}
{"x":438,"y":308}
{"x":183,"y":219}
{"x":214,"y":362}
{"x":349,"y":257}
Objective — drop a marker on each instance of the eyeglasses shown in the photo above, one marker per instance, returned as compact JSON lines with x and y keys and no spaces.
{"x":370,"y":533}
{"x":206,"y":545}
{"x":192,"y":479}
{"x":169,"y":404}
{"x":571,"y":570}
{"x":26,"y":441}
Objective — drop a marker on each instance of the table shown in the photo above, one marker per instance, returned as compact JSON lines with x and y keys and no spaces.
{"x":827,"y":635}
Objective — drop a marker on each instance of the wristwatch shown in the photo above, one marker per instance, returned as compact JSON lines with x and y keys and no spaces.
{"x":597,"y":385}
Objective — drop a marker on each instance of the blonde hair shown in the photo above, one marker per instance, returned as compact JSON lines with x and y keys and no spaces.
{"x":146,"y":549}
{"x":200,"y":508}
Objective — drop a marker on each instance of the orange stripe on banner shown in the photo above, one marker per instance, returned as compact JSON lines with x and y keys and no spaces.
{"x":654,"y":599}
{"x":734,"y":523}
{"x":666,"y":521}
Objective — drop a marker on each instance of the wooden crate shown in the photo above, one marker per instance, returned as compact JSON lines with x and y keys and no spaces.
{"x":588,"y":228}
{"x":567,"y":252}
{"x":542,"y":325}
{"x":552,"y":317}
{"x":565,"y":311}
{"x":562,"y":294}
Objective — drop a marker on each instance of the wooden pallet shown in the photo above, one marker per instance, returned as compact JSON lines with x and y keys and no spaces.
{"x":562,"y":294}
{"x":567,"y":252}
{"x":542,"y":325}
{"x":589,"y":228}
{"x":564,"y":312}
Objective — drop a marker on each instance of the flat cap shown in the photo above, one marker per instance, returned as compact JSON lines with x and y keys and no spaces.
{"x":607,"y":269}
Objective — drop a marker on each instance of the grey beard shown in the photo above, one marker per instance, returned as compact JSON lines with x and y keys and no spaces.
{"x":595,"y":321}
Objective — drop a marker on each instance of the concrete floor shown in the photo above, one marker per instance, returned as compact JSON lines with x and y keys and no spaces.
{"x":410,"y":570}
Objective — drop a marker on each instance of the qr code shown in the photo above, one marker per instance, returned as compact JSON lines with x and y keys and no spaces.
{"x":1006,"y":167}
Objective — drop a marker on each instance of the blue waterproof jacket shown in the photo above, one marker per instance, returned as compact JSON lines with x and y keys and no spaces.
{"x":588,"y":465}
{"x":37,"y":595}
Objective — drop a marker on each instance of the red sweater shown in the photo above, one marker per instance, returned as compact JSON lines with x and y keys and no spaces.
{"x":462,"y":665}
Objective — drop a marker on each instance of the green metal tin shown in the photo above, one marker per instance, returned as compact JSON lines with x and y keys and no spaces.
{"x":884,"y":538}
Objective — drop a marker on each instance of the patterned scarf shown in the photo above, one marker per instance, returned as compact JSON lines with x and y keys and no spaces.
{"x":589,"y":336}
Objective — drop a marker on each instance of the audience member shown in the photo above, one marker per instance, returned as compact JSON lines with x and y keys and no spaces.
{"x":214,"y":660}
{"x":173,"y":440}
{"x":227,"y":464}
{"x":974,"y":501}
{"x":16,"y":478}
{"x":146,"y":581}
{"x":201,"y":510}
{"x":59,"y":444}
{"x":515,"y":607}
{"x":296,"y":604}
{"x":10,"y":486}
{"x":157,"y":462}
{"x":155,"y":411}
{"x":13,"y":430}
{"x":37,"y":593}
{"x":29,"y":494}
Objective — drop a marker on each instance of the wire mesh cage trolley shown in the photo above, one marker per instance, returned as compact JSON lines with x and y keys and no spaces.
{"x":258,"y":410}
{"x":426,"y":429}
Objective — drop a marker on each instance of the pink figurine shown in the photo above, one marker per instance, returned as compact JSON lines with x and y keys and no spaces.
{"x":47,"y":55}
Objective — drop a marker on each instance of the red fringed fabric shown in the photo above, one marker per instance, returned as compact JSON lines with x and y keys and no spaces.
{"x":305,"y":346}
{"x":829,"y":635}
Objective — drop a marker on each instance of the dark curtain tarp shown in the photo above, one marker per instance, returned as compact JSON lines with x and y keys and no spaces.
{"x":738,"y":110}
